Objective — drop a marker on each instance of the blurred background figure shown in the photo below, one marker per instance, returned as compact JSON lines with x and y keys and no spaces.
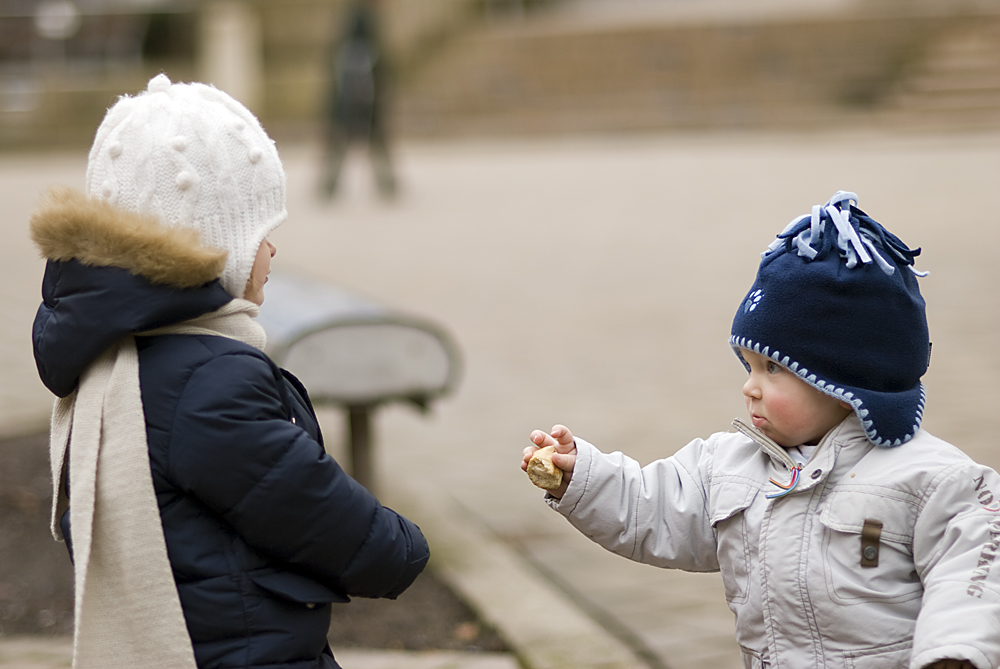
{"x":355,"y":105}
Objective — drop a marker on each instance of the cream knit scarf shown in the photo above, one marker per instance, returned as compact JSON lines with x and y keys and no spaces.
{"x":128,"y":613}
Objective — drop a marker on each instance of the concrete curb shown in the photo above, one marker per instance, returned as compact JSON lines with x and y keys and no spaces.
{"x":41,"y":652}
{"x":544,"y":628}
{"x":36,"y":652}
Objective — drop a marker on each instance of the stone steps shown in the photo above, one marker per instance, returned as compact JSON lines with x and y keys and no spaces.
{"x":753,"y":72}
{"x":958,"y":77}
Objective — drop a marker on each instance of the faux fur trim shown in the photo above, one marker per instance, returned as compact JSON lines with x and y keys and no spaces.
{"x":69,"y":225}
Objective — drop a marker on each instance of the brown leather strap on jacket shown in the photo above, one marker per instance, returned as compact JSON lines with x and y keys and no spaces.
{"x":870,"y":535}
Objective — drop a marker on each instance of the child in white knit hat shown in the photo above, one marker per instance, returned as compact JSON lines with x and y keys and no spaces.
{"x":207,"y":524}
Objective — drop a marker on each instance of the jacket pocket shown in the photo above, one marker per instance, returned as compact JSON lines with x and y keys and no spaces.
{"x":296,"y":588}
{"x":895,"y":578}
{"x":893,"y":656}
{"x":735,"y":547}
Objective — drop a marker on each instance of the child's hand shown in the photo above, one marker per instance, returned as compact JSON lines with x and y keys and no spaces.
{"x":951,"y":664}
{"x":564,"y":458}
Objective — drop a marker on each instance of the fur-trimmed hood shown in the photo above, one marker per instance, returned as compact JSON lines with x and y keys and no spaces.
{"x":111,"y":273}
{"x":70,"y":226}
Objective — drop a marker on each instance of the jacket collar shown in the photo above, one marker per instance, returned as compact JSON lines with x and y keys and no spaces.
{"x":846,"y":433}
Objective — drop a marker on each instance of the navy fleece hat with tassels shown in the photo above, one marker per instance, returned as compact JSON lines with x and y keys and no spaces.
{"x":836,"y":301}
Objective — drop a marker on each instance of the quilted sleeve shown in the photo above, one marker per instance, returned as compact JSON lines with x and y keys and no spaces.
{"x":234,"y":448}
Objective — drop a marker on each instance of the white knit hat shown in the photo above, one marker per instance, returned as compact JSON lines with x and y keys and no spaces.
{"x":192,"y":156}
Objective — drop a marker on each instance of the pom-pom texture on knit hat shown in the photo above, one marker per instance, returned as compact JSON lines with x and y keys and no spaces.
{"x":836,"y":302}
{"x":192,"y":156}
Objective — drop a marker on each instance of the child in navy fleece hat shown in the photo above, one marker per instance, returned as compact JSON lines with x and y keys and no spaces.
{"x":846,"y":535}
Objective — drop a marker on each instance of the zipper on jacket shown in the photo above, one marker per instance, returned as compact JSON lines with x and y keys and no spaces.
{"x":773,"y":449}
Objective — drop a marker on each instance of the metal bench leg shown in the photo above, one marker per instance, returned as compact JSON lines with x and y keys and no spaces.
{"x":360,"y":438}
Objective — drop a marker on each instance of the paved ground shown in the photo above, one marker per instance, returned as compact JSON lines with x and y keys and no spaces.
{"x":45,"y":653}
{"x":590,"y":282}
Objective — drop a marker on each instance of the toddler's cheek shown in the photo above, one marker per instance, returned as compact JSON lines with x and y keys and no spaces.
{"x":785,"y":414}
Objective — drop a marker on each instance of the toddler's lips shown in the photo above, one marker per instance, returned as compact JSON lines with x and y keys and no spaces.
{"x":758,"y":421}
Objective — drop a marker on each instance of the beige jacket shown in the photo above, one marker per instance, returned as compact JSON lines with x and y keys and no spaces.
{"x":792,"y":566}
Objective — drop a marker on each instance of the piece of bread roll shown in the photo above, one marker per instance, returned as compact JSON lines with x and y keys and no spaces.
{"x":542,"y":472}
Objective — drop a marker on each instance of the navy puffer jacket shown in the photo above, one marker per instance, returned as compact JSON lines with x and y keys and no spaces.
{"x":263,"y":529}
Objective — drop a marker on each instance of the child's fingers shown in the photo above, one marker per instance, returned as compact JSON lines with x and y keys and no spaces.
{"x":564,"y":461}
{"x":540,"y":439}
{"x":526,"y":455}
{"x":565,"y":456}
{"x":563,"y":438}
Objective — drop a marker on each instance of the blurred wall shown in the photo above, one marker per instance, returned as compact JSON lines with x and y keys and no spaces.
{"x":477,"y":66}
{"x":269,"y":54}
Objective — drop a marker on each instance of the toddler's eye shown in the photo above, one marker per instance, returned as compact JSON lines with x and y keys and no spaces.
{"x":773,"y":368}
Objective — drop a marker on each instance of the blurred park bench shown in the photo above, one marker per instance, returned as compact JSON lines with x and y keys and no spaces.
{"x":355,"y":354}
